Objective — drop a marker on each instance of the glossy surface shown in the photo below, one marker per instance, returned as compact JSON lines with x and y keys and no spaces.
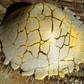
{"x":43,"y":40}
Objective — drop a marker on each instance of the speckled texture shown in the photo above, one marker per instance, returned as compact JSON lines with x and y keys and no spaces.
{"x":8,"y":76}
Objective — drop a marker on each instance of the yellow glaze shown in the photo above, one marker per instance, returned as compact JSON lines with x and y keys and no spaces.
{"x":43,"y":39}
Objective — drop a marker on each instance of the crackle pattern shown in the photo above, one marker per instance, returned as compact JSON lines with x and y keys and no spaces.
{"x":43,"y":40}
